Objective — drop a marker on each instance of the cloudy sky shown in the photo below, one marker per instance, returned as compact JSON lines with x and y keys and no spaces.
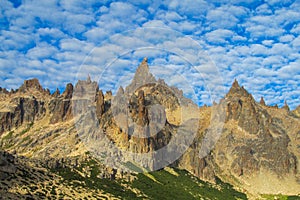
{"x":199,"y":46}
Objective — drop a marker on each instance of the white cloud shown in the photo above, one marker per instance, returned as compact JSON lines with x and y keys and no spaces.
{"x":292,"y":68}
{"x":155,"y":23}
{"x":96,"y":35}
{"x":42,"y":51}
{"x":268,"y":43}
{"x":286,"y":38}
{"x":173,"y":16}
{"x":265,"y":72}
{"x":296,"y":42}
{"x":238,"y":38}
{"x":274,"y":61}
{"x":190,"y":8}
{"x":259,"y":50}
{"x":54,"y":32}
{"x":296,"y":29}
{"x":76,"y":23}
{"x":73,"y":44}
{"x":15,"y":40}
{"x":279,"y":2}
{"x":228,"y":19}
{"x":184,"y":26}
{"x":219,"y":36}
{"x":281,"y":49}
{"x":263,"y":9}
{"x":258,"y":31}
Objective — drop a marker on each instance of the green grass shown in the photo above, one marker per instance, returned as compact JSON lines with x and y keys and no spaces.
{"x":6,"y":141}
{"x":154,"y":185}
{"x":26,"y":129}
{"x":133,"y":167}
{"x":26,"y":139}
{"x":8,"y":136}
{"x":71,"y":177}
{"x":280,"y":197}
{"x":185,"y":186}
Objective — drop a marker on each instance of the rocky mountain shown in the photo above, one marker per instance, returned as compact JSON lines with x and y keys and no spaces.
{"x":93,"y":144}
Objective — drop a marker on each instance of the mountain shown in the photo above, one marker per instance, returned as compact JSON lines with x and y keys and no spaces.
{"x":87,"y":144}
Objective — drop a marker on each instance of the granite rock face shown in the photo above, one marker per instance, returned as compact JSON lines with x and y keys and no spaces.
{"x":24,"y":110}
{"x":31,"y":84}
{"x":296,"y":112}
{"x":56,"y":94}
{"x":262,"y":101}
{"x":241,"y":137}
{"x":60,"y":108}
{"x":100,"y":104}
{"x":255,"y":137}
{"x":241,"y":107}
{"x":142,"y":111}
{"x":141,"y":77}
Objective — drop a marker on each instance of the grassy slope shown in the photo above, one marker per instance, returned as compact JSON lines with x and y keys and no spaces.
{"x":155,"y":185}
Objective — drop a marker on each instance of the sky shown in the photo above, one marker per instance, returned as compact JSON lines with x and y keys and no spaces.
{"x":199,"y":46}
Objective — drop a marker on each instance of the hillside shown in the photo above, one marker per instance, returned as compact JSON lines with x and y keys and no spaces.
{"x":148,"y":141}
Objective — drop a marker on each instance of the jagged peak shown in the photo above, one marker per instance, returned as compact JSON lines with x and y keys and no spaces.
{"x":262,"y":101}
{"x":235,"y":84}
{"x":237,"y":91}
{"x":145,"y":60}
{"x":141,"y":77}
{"x":286,"y":106}
{"x":68,"y":93}
{"x":3,"y":90}
{"x":88,"y":79}
{"x":297,"y":108}
{"x":86,"y":82}
{"x":31,"y":84}
{"x":120,"y":91}
{"x":143,"y":69}
{"x":86,"y":88}
{"x":56,"y":93}
{"x":297,"y":111}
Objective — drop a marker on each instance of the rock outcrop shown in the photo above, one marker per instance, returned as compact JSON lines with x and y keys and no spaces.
{"x":31,"y":84}
{"x":241,"y":107}
{"x":61,"y":108}
{"x":254,"y":139}
{"x":296,"y":112}
{"x":142,"y":111}
{"x":100,"y":104}
{"x":56,"y":94}
{"x":141,"y":77}
{"x":262,"y":101}
{"x":240,"y":137}
{"x":23,"y":110}
{"x":286,"y":106}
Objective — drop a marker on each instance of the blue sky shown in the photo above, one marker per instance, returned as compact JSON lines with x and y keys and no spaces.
{"x":202,"y":45}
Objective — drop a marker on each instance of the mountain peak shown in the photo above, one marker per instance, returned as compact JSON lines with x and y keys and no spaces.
{"x":262,"y":101}
{"x":235,"y":84}
{"x":237,"y":91}
{"x":56,"y":93}
{"x":31,"y":84}
{"x":120,"y":91}
{"x":286,"y":106}
{"x":145,"y":60}
{"x":67,"y":94}
{"x":143,"y":69}
{"x":88,"y":79}
{"x":141,"y":77}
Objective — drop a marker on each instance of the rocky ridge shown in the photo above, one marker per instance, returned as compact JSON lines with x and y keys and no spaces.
{"x":242,"y":138}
